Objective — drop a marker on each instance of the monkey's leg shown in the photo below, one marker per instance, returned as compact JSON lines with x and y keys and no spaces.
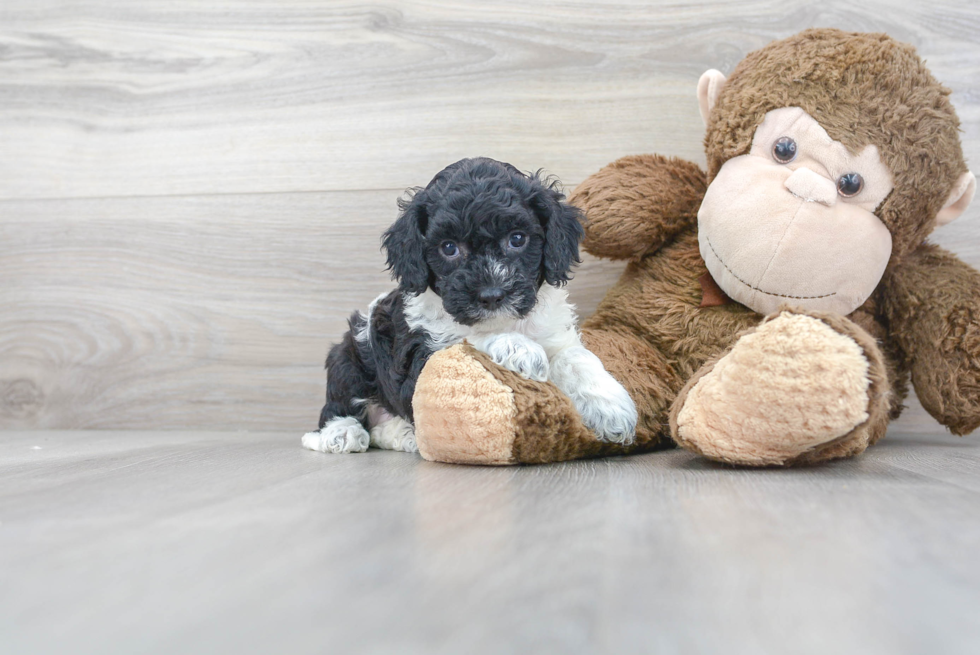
{"x":469,"y":410}
{"x":800,"y":388}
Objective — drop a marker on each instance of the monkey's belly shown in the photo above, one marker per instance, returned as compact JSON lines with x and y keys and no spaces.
{"x":658,"y":300}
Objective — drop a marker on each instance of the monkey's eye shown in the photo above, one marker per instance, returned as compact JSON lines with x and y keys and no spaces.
{"x":517,"y":240}
{"x":449,"y":249}
{"x":784,"y":150}
{"x":850,"y":184}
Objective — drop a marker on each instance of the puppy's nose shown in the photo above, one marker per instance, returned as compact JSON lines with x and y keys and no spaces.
{"x":491,"y":297}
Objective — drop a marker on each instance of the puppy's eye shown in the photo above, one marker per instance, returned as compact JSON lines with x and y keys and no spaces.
{"x":784,"y":150}
{"x":449,"y":249}
{"x":850,"y":184}
{"x":517,"y":240}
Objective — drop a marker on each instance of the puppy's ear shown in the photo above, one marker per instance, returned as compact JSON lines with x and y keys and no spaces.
{"x":562,"y":231}
{"x":404,"y":244}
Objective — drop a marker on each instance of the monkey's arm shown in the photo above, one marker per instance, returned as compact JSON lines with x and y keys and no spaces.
{"x":932,"y":303}
{"x":636,"y":204}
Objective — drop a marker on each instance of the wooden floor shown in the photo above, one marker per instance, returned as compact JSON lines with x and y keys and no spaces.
{"x":193,"y":542}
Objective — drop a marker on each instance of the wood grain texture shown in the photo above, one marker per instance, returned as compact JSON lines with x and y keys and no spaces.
{"x":175,"y":97}
{"x":191,"y":196}
{"x":191,"y":542}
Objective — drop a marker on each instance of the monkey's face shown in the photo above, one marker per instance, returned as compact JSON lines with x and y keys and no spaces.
{"x":792,"y":222}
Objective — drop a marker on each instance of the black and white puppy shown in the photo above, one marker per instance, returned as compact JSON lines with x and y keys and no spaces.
{"x":481,"y":254}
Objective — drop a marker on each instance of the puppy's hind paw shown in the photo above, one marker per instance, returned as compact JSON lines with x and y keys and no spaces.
{"x":343,"y":434}
{"x":394,"y":434}
{"x":517,"y":353}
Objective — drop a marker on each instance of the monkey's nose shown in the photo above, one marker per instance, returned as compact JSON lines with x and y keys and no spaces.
{"x":491,"y":297}
{"x":812,"y":187}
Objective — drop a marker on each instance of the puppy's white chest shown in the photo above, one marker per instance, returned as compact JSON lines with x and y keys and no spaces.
{"x":550,"y":323}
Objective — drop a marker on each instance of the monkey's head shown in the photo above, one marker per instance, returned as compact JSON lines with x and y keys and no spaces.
{"x":830,"y":156}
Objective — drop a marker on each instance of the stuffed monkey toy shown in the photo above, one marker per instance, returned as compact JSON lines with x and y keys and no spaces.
{"x":774,"y":308}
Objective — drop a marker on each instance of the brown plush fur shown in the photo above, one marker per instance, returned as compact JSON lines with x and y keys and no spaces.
{"x":932,"y":306}
{"x":923,"y":319}
{"x":644,"y":201}
{"x":476,"y":399}
{"x":869,"y":90}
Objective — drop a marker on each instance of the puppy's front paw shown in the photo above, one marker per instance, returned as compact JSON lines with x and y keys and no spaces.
{"x":343,"y":434}
{"x":517,"y":353}
{"x":604,"y":405}
{"x":609,"y":412}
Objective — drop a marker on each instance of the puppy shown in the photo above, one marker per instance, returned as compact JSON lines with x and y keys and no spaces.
{"x":481,"y":254}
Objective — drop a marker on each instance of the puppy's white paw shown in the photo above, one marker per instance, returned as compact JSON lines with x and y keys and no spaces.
{"x":394,"y":434}
{"x":602,"y":402}
{"x":611,"y":413}
{"x":343,"y":434}
{"x":517,"y":353}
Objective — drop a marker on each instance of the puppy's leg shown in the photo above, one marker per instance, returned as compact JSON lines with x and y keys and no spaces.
{"x":391,"y":432}
{"x":517,"y":353}
{"x":605,"y":406}
{"x":342,"y":420}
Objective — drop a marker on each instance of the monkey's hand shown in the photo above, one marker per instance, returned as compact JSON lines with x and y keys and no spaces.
{"x":636,"y":204}
{"x":932,"y":302}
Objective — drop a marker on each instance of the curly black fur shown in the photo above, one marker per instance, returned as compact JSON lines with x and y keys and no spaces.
{"x":381,"y":368}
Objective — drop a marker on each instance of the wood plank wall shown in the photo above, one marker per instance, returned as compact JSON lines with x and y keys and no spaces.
{"x":191,"y":194}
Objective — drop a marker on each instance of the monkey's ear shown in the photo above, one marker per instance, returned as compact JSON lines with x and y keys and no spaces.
{"x":709,"y":88}
{"x":562,"y":233}
{"x":404,"y":244}
{"x":959,"y":199}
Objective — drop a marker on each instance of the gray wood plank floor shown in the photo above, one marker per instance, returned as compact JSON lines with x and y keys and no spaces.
{"x":197,"y":542}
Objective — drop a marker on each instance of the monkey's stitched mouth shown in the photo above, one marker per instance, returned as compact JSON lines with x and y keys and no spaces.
{"x":768,"y":293}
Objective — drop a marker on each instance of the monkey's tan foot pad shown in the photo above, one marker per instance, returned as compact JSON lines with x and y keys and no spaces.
{"x":795,"y":390}
{"x":468,"y":410}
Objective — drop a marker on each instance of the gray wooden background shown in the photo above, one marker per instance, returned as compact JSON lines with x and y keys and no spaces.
{"x":191,"y":194}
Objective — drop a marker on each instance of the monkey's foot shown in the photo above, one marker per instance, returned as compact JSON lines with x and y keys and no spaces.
{"x":798,"y":389}
{"x":469,"y":410}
